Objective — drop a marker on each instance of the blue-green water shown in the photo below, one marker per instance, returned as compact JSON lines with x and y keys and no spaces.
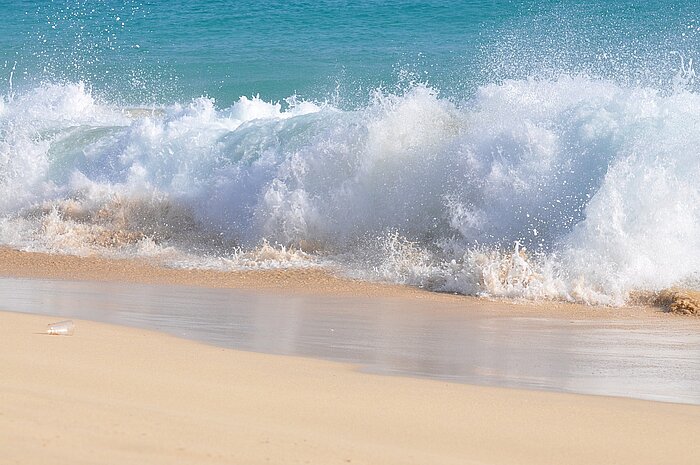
{"x":537,"y":149}
{"x":163,"y":51}
{"x":167,"y":50}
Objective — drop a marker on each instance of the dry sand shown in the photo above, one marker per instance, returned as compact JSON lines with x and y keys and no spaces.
{"x":113,"y":395}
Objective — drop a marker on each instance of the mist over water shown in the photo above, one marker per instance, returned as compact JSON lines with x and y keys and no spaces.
{"x":551,"y":155}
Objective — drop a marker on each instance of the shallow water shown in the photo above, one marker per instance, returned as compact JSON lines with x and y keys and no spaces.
{"x":645,"y":359}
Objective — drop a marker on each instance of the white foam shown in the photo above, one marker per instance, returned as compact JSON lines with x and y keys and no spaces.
{"x":598,"y":182}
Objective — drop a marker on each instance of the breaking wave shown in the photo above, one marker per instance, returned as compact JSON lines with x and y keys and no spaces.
{"x":568,"y":187}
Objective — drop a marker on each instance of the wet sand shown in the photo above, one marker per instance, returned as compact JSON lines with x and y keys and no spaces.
{"x":15,"y":263}
{"x":117,"y":395}
{"x":316,"y":281}
{"x":123,"y":395}
{"x":460,"y":340}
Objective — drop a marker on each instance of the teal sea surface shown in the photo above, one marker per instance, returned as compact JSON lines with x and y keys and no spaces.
{"x":163,"y":51}
{"x":534,"y":149}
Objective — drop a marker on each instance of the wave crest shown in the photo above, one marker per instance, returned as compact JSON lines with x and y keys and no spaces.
{"x":597,"y":181}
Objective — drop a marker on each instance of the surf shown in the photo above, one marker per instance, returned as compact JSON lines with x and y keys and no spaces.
{"x":572,"y":188}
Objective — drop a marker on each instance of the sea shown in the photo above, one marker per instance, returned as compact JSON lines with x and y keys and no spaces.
{"x":539,"y":150}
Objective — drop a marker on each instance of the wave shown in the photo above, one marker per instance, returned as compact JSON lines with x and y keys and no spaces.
{"x":567,"y":188}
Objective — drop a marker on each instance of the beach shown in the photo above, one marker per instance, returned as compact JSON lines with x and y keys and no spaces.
{"x":120,"y":394}
{"x":370,"y":232}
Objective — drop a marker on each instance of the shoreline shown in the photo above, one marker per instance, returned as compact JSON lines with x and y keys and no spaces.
{"x":130,"y":395}
{"x":21,"y":264}
{"x":39,"y":265}
{"x":467,"y":341}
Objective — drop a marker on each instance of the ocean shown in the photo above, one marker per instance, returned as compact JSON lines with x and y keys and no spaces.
{"x":534,"y":149}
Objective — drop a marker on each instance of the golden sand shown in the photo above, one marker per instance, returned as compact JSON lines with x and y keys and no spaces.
{"x":114,"y":395}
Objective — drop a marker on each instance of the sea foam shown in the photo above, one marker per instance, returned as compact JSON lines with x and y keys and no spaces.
{"x":567,"y":188}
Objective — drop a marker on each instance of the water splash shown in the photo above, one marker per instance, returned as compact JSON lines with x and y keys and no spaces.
{"x":570,"y":188}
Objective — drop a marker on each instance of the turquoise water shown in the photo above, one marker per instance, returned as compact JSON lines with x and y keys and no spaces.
{"x":536,"y":149}
{"x":165,"y":51}
{"x":179,"y":49}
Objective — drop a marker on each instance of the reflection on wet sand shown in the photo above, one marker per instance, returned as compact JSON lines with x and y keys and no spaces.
{"x":648,"y":359}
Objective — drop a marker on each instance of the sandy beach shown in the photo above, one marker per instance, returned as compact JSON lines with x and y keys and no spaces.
{"x":366,"y":232}
{"x":123,"y":395}
{"x":117,"y":395}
